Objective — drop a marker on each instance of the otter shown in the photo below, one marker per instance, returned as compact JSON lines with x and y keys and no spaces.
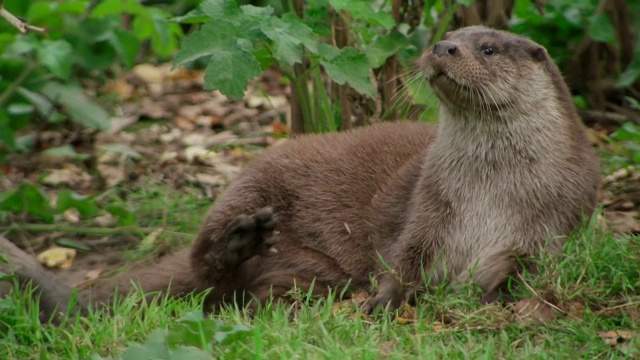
{"x":507,"y":169}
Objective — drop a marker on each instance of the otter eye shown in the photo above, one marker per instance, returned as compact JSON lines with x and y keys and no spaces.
{"x":487,"y":51}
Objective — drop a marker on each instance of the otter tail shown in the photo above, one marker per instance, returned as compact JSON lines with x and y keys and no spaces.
{"x":170,"y":275}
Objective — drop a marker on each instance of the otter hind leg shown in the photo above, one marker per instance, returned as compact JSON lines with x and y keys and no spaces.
{"x":250,"y":235}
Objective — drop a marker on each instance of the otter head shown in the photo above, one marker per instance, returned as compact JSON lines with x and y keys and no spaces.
{"x":481,"y":71}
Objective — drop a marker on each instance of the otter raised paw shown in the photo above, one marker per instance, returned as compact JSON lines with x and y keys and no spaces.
{"x":249,"y":236}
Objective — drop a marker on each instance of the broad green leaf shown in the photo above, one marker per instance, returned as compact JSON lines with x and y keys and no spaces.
{"x":228,"y":334}
{"x":350,"y":67}
{"x":257,"y":10}
{"x":22,"y":45}
{"x":162,"y":40}
{"x":96,"y":56}
{"x":628,"y":131}
{"x":360,"y":9}
{"x":190,"y":353}
{"x":601,"y":29}
{"x":86,"y":205}
{"x":80,"y":108}
{"x":57,"y":56}
{"x":384,"y":47}
{"x":222,"y":9}
{"x":27,"y":198}
{"x":94,"y":30}
{"x":231,"y":70}
{"x":192,"y":333}
{"x":465,"y":3}
{"x":288,"y":34}
{"x":153,"y":348}
{"x":232,"y":62}
{"x":211,"y":37}
{"x":41,"y":103}
{"x":126,"y":45}
{"x":629,"y":76}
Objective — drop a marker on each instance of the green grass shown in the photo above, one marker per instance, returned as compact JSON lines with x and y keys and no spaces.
{"x":596,"y":270}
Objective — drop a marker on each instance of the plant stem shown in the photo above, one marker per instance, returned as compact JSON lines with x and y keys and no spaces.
{"x":4,"y":97}
{"x":71,"y":229}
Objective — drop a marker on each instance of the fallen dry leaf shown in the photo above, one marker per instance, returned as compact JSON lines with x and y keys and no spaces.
{"x":70,"y":175}
{"x":151,"y":238}
{"x":386,"y":347}
{"x":534,"y":308}
{"x":106,"y":220}
{"x":112,"y":175}
{"x":149,"y":73}
{"x":57,"y":257}
{"x":623,"y":222}
{"x":408,"y":315}
{"x":207,"y":179}
{"x":617,"y":337}
{"x":71,"y":215}
{"x":90,"y":277}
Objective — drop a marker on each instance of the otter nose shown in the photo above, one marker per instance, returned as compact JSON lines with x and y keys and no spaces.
{"x":444,"y":48}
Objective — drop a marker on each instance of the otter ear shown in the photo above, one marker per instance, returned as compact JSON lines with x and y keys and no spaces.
{"x":538,"y":53}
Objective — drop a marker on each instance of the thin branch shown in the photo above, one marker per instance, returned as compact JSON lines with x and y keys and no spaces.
{"x":22,"y":26}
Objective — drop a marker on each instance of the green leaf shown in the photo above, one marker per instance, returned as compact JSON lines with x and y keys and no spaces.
{"x":64,"y":151}
{"x":126,"y":45}
{"x":232,"y":63}
{"x":350,"y":67}
{"x":80,"y":108}
{"x":384,"y":47}
{"x":86,"y":205}
{"x":629,"y":76}
{"x":57,"y":56}
{"x":125,"y":217}
{"x":231,"y":70}
{"x":288,"y":34}
{"x":7,"y":134}
{"x":192,"y":332}
{"x":601,"y":29}
{"x":628,"y":131}
{"x":465,"y":3}
{"x":190,"y":353}
{"x":360,"y":9}
{"x":18,"y":109}
{"x":27,"y":198}
{"x":73,"y":244}
{"x":228,"y":334}
{"x":221,"y":9}
{"x":42,"y":104}
{"x":257,"y":10}
{"x":153,"y":348}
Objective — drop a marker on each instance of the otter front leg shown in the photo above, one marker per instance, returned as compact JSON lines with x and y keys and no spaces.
{"x":389,"y":295}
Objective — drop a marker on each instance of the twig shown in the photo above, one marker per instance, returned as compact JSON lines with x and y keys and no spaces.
{"x":22,"y":26}
{"x":602,"y":311}
{"x":69,"y":229}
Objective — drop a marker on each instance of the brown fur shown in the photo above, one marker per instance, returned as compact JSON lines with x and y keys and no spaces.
{"x":507,"y":168}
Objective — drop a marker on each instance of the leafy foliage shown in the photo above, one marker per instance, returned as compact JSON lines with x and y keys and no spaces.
{"x":241,"y":41}
{"x":193,"y":337}
{"x":39,"y":75}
